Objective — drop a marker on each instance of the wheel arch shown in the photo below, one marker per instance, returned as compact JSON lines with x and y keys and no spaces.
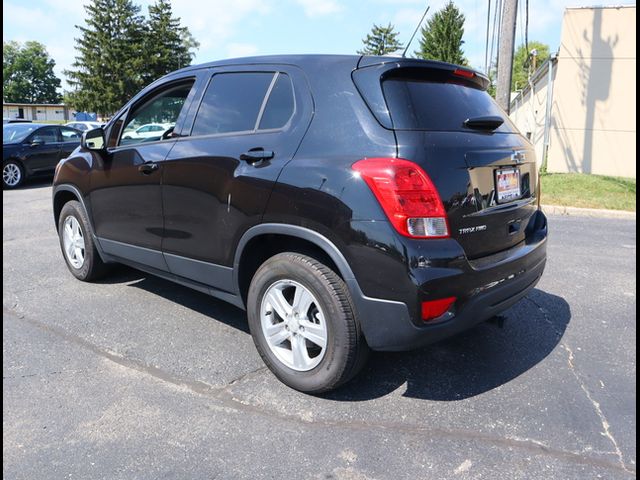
{"x":14,"y":159}
{"x":65,"y":193}
{"x":273,"y":238}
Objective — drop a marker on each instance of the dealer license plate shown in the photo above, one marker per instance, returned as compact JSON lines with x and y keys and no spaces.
{"x":508,"y":184}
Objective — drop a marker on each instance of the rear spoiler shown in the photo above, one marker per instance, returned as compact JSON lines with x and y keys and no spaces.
{"x":371,"y":71}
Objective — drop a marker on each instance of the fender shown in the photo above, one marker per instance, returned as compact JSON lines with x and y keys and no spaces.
{"x":372,"y":311}
{"x":293,"y":231}
{"x":67,"y":187}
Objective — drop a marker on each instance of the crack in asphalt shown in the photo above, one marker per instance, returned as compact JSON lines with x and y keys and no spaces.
{"x":30,"y":375}
{"x":596,"y":405}
{"x":224,"y":396}
{"x":196,"y":386}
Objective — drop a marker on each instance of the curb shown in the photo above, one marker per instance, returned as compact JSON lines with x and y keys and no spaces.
{"x":587,"y":212}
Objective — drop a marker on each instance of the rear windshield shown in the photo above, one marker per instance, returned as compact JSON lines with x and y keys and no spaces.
{"x":422,"y":102}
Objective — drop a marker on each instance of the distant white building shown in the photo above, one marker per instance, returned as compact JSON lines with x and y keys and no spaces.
{"x":38,"y":112}
{"x":586,"y":121}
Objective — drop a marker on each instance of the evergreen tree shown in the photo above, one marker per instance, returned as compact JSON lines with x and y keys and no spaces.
{"x":27,"y":74}
{"x":523,"y":65}
{"x":167,"y":44}
{"x":442,"y":36}
{"x":109,"y":67}
{"x":381,"y":41}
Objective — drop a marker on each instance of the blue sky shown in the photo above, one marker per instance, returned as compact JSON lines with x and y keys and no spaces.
{"x":246,"y":27}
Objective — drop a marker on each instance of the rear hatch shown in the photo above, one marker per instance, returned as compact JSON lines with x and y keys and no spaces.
{"x":445,"y":121}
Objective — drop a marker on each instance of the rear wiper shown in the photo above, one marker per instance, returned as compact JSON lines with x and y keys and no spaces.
{"x":489,"y":122}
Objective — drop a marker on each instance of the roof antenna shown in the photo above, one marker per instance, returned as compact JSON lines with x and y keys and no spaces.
{"x":404,"y":53}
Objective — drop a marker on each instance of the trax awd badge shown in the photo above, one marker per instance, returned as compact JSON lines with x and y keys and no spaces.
{"x":477,"y":228}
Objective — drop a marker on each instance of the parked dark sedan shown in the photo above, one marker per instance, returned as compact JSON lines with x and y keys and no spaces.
{"x":30,"y":149}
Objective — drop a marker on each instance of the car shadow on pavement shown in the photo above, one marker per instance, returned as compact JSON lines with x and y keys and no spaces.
{"x":470,"y":363}
{"x":460,"y":367}
{"x":37,"y":182}
{"x":187,"y":297}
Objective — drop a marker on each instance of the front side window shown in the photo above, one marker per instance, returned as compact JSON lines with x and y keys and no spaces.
{"x":156,"y":117}
{"x":232,"y":103}
{"x":69,"y":134}
{"x":114,"y":133}
{"x":46,"y":135}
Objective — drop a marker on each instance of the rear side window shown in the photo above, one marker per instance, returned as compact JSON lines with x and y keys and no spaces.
{"x":438,"y":103}
{"x":280,"y":106}
{"x":232,"y":103}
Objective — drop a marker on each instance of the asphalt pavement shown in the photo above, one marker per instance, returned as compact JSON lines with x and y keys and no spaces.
{"x":135,"y":377}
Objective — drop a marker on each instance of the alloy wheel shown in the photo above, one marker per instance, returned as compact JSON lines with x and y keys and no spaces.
{"x":73,"y":242}
{"x":293,"y":325}
{"x":11,"y":174}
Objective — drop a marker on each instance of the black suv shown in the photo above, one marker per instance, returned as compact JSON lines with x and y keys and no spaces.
{"x":347,"y":203}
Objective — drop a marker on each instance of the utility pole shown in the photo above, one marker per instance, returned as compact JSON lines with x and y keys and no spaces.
{"x":505,"y":53}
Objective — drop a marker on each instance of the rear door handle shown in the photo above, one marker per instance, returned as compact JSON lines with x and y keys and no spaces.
{"x":256,"y":155}
{"x":148,"y":168}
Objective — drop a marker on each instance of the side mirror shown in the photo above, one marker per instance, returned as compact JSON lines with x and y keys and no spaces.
{"x":93,"y":139}
{"x":36,"y":143}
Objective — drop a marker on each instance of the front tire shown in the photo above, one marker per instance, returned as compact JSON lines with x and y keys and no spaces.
{"x":77,"y":244}
{"x":303,"y":323}
{"x":12,"y":174}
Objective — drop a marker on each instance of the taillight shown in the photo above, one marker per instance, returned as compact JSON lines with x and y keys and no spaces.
{"x":435,"y":308}
{"x":407,"y":196}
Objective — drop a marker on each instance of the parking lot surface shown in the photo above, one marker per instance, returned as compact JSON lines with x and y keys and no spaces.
{"x":137,"y":377}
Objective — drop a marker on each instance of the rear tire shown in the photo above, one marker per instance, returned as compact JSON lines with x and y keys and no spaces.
{"x":77,"y":244}
{"x":303,"y":323}
{"x":12,"y":174}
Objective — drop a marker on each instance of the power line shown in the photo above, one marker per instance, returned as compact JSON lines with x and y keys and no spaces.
{"x":526,"y":26}
{"x":495,"y":35}
{"x":486,"y":45}
{"x":521,"y":17}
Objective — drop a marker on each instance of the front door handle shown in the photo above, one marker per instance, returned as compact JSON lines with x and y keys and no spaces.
{"x":256,"y":155}
{"x":148,"y":168}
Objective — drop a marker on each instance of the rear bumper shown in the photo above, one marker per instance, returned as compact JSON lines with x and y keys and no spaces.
{"x":483,"y":288}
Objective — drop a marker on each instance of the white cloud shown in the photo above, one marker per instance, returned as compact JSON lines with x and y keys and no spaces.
{"x":407,"y":18}
{"x":241,"y":50}
{"x":217,"y":20}
{"x":44,"y":25}
{"x":317,"y":8}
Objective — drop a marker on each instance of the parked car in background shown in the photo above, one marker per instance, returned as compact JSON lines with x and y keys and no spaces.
{"x":83,"y":126}
{"x":150,"y":130}
{"x":347,"y":203}
{"x":30,"y":149}
{"x":15,"y":120}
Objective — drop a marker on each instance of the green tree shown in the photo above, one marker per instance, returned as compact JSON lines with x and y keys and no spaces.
{"x":168,"y":45}
{"x":442,"y":36}
{"x":523,"y":62}
{"x":381,"y":41}
{"x":27,"y":74}
{"x":110,"y":63}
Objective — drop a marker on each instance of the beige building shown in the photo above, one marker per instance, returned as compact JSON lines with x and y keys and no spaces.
{"x":38,"y":112}
{"x":588,"y":122}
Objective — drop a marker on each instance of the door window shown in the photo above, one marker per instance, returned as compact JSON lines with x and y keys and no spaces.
{"x":114,"y":133}
{"x":232,"y":103}
{"x":69,"y":134}
{"x":46,"y":135}
{"x":161,"y":110}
